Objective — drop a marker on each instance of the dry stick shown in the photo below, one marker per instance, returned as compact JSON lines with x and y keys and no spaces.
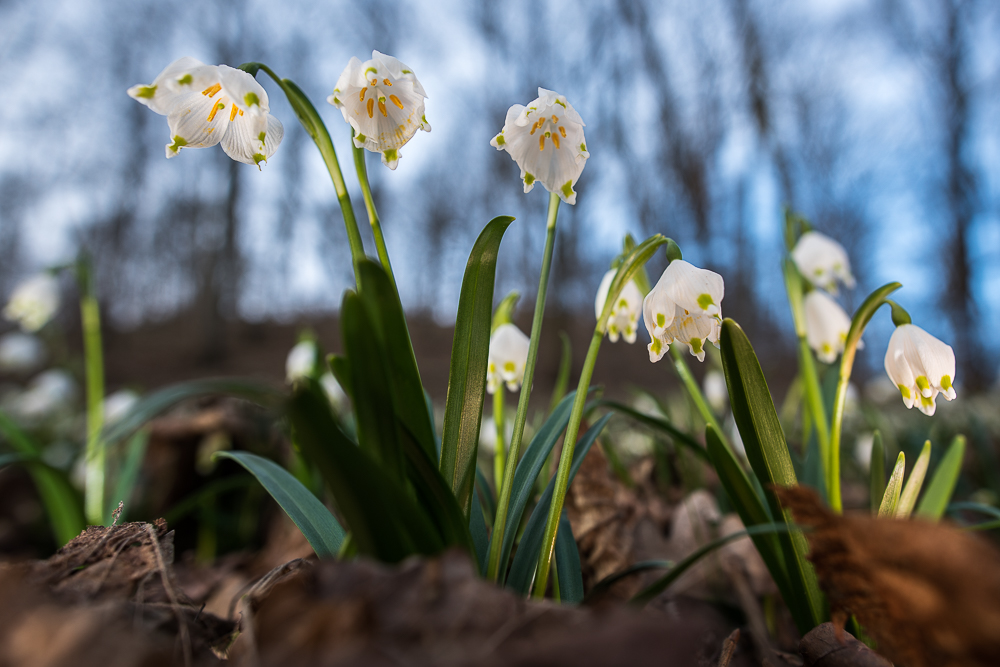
{"x":729,"y":648}
{"x":172,"y":595}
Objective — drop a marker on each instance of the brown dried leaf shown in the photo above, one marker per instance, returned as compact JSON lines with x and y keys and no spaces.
{"x":929,"y":594}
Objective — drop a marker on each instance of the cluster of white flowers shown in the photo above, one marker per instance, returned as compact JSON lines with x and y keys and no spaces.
{"x":624,"y":317}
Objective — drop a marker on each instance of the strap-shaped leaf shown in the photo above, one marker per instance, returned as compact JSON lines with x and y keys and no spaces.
{"x":890,"y":499}
{"x":386,"y":312}
{"x":767,"y":452}
{"x":527,"y":472}
{"x":568,"y":563}
{"x":942,"y":485}
{"x":384,"y":520}
{"x":522,"y":570}
{"x":469,"y":354}
{"x":908,"y":498}
{"x":480,"y":538}
{"x":317,"y":524}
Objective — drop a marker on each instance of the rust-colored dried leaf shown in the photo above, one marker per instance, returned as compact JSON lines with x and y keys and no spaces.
{"x":929,"y":594}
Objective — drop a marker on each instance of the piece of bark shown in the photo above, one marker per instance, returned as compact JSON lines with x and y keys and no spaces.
{"x":822,"y":648}
{"x":927,"y":593}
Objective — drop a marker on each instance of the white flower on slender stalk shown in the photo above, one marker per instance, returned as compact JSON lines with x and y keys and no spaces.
{"x":684,"y":306}
{"x":921,"y":366}
{"x":508,"y":354}
{"x":21,"y":352}
{"x":34,"y":302}
{"x":209,"y":104}
{"x":384,"y":103}
{"x":624,"y":317}
{"x":546,"y":141}
{"x":301,"y":360}
{"x":822,"y":261}
{"x":863,"y":450}
{"x":827,"y":325}
{"x":119,"y":404}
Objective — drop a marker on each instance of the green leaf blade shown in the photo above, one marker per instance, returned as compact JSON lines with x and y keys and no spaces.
{"x":935,"y":501}
{"x":890,"y":499}
{"x":908,"y":498}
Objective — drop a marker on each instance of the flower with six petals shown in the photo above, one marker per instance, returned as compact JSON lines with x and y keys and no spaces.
{"x":684,"y":306}
{"x":208,"y":104}
{"x":624,"y":317}
{"x":822,"y":261}
{"x":507,"y":356}
{"x":921,"y":367}
{"x":546,"y":141}
{"x":384,"y":103}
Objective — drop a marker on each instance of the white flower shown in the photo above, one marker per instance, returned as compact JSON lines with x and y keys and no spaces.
{"x":33,"y":302}
{"x":716,"y":392}
{"x":334,"y":392}
{"x":47,"y":393}
{"x":118,"y":404}
{"x":827,"y":325}
{"x":208,"y":104}
{"x":822,"y":261}
{"x":508,"y":354}
{"x":684,"y":307}
{"x":21,"y":352}
{"x":863,"y":450}
{"x":546,"y":141}
{"x":383,"y":102}
{"x":301,"y":360}
{"x":624,"y":318}
{"x":921,"y":366}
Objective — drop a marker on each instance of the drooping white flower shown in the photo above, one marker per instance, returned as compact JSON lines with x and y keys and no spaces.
{"x":827,"y":325}
{"x":716,"y":392}
{"x":21,"y":352}
{"x":684,"y":306}
{"x":508,"y":354}
{"x":921,"y":366}
{"x":624,"y":317}
{"x":48,"y":392}
{"x":301,"y":360}
{"x":118,"y":404}
{"x":822,"y":261}
{"x":209,"y":104}
{"x":384,"y":103}
{"x":546,"y":141}
{"x":33,"y":302}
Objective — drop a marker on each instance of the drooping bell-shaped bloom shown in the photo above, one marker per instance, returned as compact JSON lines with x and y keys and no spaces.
{"x":546,"y":141}
{"x":684,"y":306}
{"x":209,"y":104}
{"x":822,"y":261}
{"x":384,"y":103}
{"x":508,"y":354}
{"x":34,"y":302}
{"x":20,"y":352}
{"x":827,"y":325}
{"x":624,"y":317}
{"x":301,"y":360}
{"x":921,"y":366}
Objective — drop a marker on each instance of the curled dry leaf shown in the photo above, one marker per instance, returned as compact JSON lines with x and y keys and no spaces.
{"x":929,"y":594}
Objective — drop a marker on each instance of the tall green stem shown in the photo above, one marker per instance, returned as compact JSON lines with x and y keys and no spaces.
{"x":839,"y":401}
{"x":314,"y":125}
{"x":366,"y":192}
{"x":565,"y":463}
{"x":501,"y":449}
{"x":694,"y":390}
{"x":503,"y":499}
{"x":807,"y":365}
{"x":94,"y":460}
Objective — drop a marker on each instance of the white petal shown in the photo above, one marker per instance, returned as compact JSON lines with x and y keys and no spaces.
{"x":658,"y":308}
{"x":244,"y":142}
{"x":827,"y":325}
{"x":822,"y":260}
{"x":694,"y":289}
{"x":244,"y":91}
{"x":177,"y":80}
{"x":189,"y":122}
{"x":508,"y":354}
{"x":602,"y":292}
{"x":33,"y":302}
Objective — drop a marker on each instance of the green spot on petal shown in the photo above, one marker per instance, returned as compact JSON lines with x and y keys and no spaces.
{"x":185,"y":80}
{"x":371,"y":69}
{"x":406,"y":71}
{"x":583,"y":148}
{"x":926,"y":401}
{"x":362,"y":138}
{"x":656,"y":346}
{"x":923,"y":383}
{"x":567,"y":188}
{"x":336,"y":100}
{"x":146,"y":92}
{"x":904,"y":391}
{"x":258,"y":158}
{"x":509,"y":366}
{"x":529,"y":179}
{"x":560,"y":103}
{"x":391,"y":155}
{"x":251,"y":99}
{"x":825,"y":348}
{"x":705,"y":300}
{"x":179,"y":142}
{"x":500,"y":140}
{"x":262,"y":136}
{"x":696,"y":345}
{"x":661,"y":319}
{"x":945,"y":382}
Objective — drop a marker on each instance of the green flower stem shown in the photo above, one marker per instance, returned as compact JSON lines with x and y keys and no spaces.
{"x":503,"y":495}
{"x":90,"y":316}
{"x":314,"y":125}
{"x":807,"y":365}
{"x":684,"y":371}
{"x":545,"y":555}
{"x":366,"y":192}
{"x":500,"y":450}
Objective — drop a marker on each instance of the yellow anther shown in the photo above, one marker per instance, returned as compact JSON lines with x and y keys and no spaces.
{"x":362,"y":95}
{"x":562,"y":131}
{"x":232,"y":113}
{"x":374,"y":82}
{"x":371,"y":107}
{"x":541,"y":143}
{"x":395,"y":100}
{"x":533,"y":128}
{"x":215,"y":110}
{"x":555,"y":118}
{"x":387,"y":82}
{"x":555,"y":140}
{"x":212,"y":90}
{"x":381,"y":106}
